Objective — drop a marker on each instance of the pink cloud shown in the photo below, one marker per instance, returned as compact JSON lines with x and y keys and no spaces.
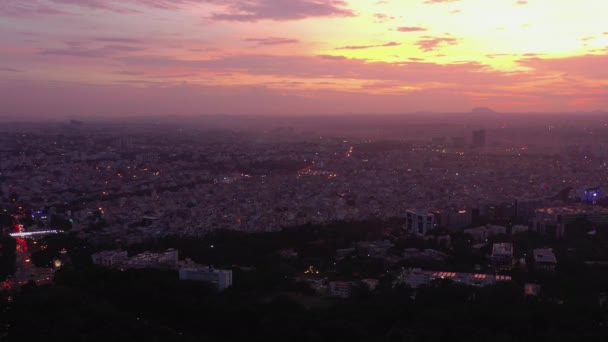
{"x":272,"y":41}
{"x":338,"y":67}
{"x":233,"y":10}
{"x":410,"y":29}
{"x":587,"y":66}
{"x":245,"y":10}
{"x":361,"y":47}
{"x":429,"y":43}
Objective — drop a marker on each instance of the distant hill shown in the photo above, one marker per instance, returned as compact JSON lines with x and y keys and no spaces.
{"x":483,"y":110}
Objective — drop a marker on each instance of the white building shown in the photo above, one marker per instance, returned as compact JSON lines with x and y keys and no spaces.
{"x":109,"y":258}
{"x":222,"y":279}
{"x":544,"y":259}
{"x":502,"y":255}
{"x":419,"y":222}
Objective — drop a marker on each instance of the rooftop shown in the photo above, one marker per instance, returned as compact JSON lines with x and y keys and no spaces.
{"x":502,"y":249}
{"x":572,"y":210}
{"x":544,"y":255}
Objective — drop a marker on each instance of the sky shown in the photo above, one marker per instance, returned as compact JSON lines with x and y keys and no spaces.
{"x":114,"y":58}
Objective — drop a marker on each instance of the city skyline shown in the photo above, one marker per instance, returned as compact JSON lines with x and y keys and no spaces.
{"x":188,"y":57}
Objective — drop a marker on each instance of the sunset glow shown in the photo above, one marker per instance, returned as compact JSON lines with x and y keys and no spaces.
{"x":137,"y":57}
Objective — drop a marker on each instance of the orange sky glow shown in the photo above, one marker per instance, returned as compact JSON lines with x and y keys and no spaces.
{"x":296,"y":57}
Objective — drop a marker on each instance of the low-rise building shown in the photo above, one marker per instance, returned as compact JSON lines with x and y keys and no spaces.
{"x":544,"y":259}
{"x":340,"y":289}
{"x":167,"y":259}
{"x":417,"y":277}
{"x":502,"y":255}
{"x":110,"y":258}
{"x":553,"y":221}
{"x":519,"y":229}
{"x":222,"y":279}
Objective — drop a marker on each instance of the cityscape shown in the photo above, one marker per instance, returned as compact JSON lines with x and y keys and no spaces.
{"x":311,"y":217}
{"x":307,"y":170}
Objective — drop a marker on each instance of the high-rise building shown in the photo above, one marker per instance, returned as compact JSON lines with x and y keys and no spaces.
{"x":419,"y":222}
{"x":479,"y":138}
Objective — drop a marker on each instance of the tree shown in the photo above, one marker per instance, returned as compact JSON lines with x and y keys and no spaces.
{"x":8,"y":256}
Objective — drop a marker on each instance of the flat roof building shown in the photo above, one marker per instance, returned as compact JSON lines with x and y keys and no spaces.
{"x":221,"y":279}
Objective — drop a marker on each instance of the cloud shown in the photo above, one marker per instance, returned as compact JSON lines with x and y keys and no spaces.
{"x":382,"y":18}
{"x":231,"y":10}
{"x":247,"y":10}
{"x":410,"y":29}
{"x":272,"y":41}
{"x":429,"y":43}
{"x":439,"y":1}
{"x":75,"y":50}
{"x":338,"y":67}
{"x":19,"y":8}
{"x":10,"y":70}
{"x":361,"y":47}
{"x":117,"y":40}
{"x":588,"y":66}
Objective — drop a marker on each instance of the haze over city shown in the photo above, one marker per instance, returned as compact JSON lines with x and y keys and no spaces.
{"x":98,"y":58}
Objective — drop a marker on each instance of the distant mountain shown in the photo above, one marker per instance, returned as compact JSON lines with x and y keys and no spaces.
{"x":483,"y":110}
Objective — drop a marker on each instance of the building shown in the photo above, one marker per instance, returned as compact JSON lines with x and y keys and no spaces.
{"x":340,"y":289}
{"x":221,"y":279}
{"x":110,"y":258}
{"x":419,"y":222}
{"x":482,"y":234}
{"x":544,"y":259}
{"x":167,"y":259}
{"x":531,"y":289}
{"x":519,"y":229}
{"x":458,"y":219}
{"x":479,"y":138}
{"x":316,"y":283}
{"x":553,"y":221}
{"x":417,"y":277}
{"x":525,"y":208}
{"x":502,"y":255}
{"x":591,"y":195}
{"x":424,"y":254}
